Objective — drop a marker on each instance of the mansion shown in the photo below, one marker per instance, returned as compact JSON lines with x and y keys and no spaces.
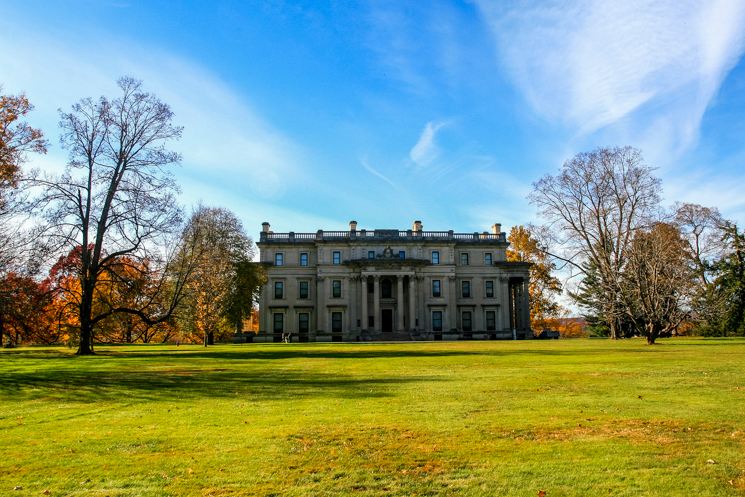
{"x":383,"y":285}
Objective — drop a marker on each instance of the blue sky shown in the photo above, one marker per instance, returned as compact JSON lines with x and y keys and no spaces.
{"x":310,"y":115}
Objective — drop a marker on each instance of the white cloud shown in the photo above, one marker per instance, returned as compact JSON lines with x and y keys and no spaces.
{"x":591,"y":63}
{"x":425,"y":151}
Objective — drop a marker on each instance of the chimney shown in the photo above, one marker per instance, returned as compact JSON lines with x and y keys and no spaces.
{"x":496,"y":228}
{"x":417,"y":226}
{"x":353,"y":225}
{"x":265,"y":227}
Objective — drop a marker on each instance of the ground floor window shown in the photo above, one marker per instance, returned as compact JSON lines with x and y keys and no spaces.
{"x":466,"y":318}
{"x":491,"y":321}
{"x":279,"y":322}
{"x":336,"y":322}
{"x":303,"y":322}
{"x":437,"y":321}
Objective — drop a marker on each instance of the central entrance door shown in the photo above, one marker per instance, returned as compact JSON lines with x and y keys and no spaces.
{"x":387,"y":320}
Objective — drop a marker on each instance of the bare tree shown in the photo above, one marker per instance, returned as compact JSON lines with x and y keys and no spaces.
{"x":592,"y":209}
{"x":658,"y":281}
{"x":116,"y":198}
{"x":701,"y":229}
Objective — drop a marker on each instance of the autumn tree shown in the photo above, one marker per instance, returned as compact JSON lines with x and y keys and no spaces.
{"x":592,"y":208}
{"x":658,"y":282}
{"x":225,"y":283}
{"x":116,"y":197}
{"x":544,"y":287}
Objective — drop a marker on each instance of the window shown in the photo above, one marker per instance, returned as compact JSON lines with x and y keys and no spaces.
{"x":466,"y":320}
{"x":336,"y":322}
{"x":279,"y":322}
{"x":277,"y":259}
{"x":435,"y":288}
{"x":303,"y":322}
{"x":490,"y":289}
{"x":337,"y":257}
{"x":277,"y":289}
{"x":385,"y":287}
{"x":435,"y":257}
{"x":371,"y":254}
{"x":487,"y":259}
{"x":491,"y":322}
{"x":370,"y":321}
{"x":437,"y":321}
{"x":303,"y":289}
{"x":466,"y":287}
{"x":402,"y":254}
{"x":303,"y":259}
{"x":464,"y":259}
{"x":336,"y":289}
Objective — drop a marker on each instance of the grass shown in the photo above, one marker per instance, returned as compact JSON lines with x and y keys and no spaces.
{"x":568,"y":417}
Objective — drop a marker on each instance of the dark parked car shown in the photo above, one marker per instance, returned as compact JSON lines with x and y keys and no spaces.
{"x":546,"y":334}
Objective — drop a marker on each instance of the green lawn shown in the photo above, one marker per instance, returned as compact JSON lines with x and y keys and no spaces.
{"x":568,"y":417}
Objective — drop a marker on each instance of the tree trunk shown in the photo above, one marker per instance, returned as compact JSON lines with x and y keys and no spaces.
{"x":206,"y":338}
{"x":129,"y":335}
{"x":613,"y":329}
{"x":86,"y":327}
{"x":211,"y":338}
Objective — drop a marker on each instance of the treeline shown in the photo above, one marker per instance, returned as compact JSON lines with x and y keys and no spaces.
{"x":635,"y":267}
{"x":103,"y":252}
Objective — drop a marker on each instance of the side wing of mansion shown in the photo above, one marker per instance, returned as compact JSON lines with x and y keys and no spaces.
{"x":363,"y":285}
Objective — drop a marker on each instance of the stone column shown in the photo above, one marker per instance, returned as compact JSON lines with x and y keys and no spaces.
{"x":452,"y":307}
{"x":400,"y":302}
{"x":376,"y":302}
{"x":364,"y":319}
{"x":526,"y":304}
{"x":412,"y":303}
{"x":321,"y":299}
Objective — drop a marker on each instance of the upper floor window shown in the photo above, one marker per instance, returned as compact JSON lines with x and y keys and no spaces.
{"x":466,"y":288}
{"x":487,"y":259}
{"x":337,"y":257}
{"x":303,"y":259}
{"x":490,"y":289}
{"x":336,"y":289}
{"x":464,"y":259}
{"x":435,"y":257}
{"x":402,"y":254}
{"x":435,"y":288}
{"x":385,"y":289}
{"x":278,"y":259}
{"x":278,"y":289}
{"x":303,"y":289}
{"x":371,"y":254}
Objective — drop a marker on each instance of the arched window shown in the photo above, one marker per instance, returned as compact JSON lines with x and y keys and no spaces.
{"x":386,"y":288}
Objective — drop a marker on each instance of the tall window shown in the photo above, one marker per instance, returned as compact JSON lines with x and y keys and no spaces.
{"x":303,"y":289}
{"x":277,"y":289}
{"x":435,"y":257}
{"x":277,"y":259}
{"x":385,"y":289}
{"x":436,"y":320}
{"x":435,"y":288}
{"x":487,"y":259}
{"x":337,"y":257}
{"x":279,"y":322}
{"x":490,"y":289}
{"x":371,"y":254}
{"x":336,"y":289}
{"x":464,"y":259}
{"x":466,"y":320}
{"x":402,"y":254}
{"x":336,"y":322}
{"x":303,"y":322}
{"x":303,"y":259}
{"x":491,"y":322}
{"x":466,"y":287}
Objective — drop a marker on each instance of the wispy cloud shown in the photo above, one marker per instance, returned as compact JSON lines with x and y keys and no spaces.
{"x":376,"y":173}
{"x":425,"y":151}
{"x":591,"y":63}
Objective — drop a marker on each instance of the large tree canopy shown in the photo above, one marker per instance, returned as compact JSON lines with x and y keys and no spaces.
{"x":116,"y":198}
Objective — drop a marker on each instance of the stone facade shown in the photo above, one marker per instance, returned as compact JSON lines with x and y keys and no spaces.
{"x":370,"y":285}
